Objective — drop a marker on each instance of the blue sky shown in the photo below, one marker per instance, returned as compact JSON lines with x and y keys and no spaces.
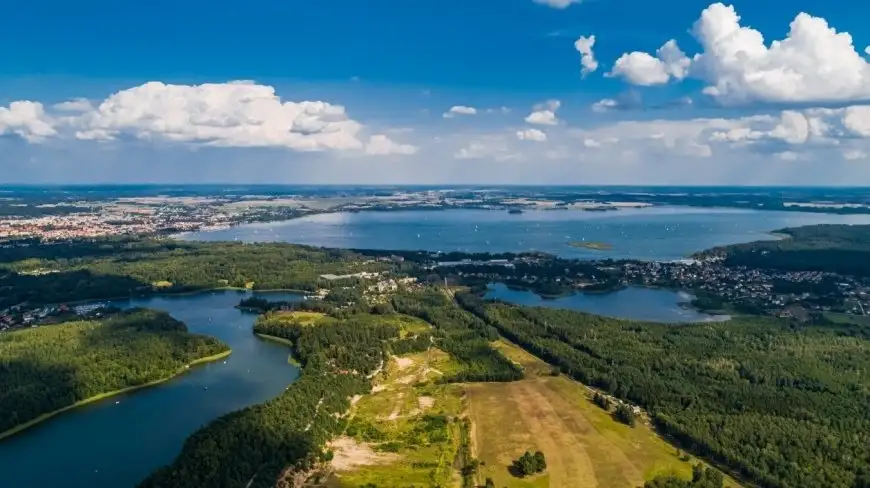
{"x":357,"y":91}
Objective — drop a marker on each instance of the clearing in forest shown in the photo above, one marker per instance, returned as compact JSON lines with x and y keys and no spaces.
{"x":583,"y":445}
{"x":407,"y":431}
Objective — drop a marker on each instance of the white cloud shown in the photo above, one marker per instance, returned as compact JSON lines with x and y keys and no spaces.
{"x":235,"y":114}
{"x":588,"y":62}
{"x":814,"y":63}
{"x":531,"y":135}
{"x":591,"y":143}
{"x":501,"y":110}
{"x":560,"y":4}
{"x":460,"y":110}
{"x":854,"y":155}
{"x":544,"y":113}
{"x":381,"y":145}
{"x":788,"y":156}
{"x":640,"y":68}
{"x":604,"y":105}
{"x":75,"y":105}
{"x":28,"y":120}
{"x":857,"y":120}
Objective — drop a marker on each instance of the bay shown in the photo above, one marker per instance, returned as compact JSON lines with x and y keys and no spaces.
{"x":655,"y":233}
{"x":118,"y":442}
{"x":633,"y":302}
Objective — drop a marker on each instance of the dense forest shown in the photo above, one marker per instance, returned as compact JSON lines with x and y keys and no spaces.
{"x":253,"y":447}
{"x":84,"y":270}
{"x":842,"y":249}
{"x":462,"y":334}
{"x":783,"y":404}
{"x":48,"y":368}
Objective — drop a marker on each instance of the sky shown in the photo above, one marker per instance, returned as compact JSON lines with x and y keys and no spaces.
{"x":683,"y":92}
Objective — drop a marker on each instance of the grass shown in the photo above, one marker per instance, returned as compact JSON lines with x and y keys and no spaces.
{"x":302,"y":317}
{"x":531,"y":365}
{"x":583,"y":445}
{"x":398,"y":436}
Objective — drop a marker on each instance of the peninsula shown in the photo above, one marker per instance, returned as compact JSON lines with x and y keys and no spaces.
{"x":52,"y":369}
{"x":594,"y":245}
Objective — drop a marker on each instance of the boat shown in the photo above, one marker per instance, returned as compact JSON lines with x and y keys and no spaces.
{"x":515,"y":211}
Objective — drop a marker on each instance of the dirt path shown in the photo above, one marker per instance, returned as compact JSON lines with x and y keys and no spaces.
{"x":567,"y":461}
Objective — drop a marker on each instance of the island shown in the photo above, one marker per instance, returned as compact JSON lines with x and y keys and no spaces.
{"x":593,"y":245}
{"x":515,"y":211}
{"x":51,"y":369}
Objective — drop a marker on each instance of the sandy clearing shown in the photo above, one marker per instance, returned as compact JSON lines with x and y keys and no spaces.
{"x":350,"y":454}
{"x":403,"y":363}
{"x":425,"y":402}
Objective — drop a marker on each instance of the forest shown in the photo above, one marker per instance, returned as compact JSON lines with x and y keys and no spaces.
{"x":258,"y":445}
{"x":94,"y":269}
{"x":48,"y":368}
{"x":842,"y":249}
{"x":782,"y":404}
{"x":463,"y":335}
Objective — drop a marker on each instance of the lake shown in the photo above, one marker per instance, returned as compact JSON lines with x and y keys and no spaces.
{"x":109,"y":445}
{"x":636,"y":303}
{"x":656,"y":233}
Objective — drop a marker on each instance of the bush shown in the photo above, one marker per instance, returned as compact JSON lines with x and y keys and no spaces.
{"x":529,"y":464}
{"x":625,"y":415}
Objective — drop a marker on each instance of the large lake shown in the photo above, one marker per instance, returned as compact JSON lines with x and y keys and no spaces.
{"x":109,"y":445}
{"x":657,"y":233}
{"x":636,"y":303}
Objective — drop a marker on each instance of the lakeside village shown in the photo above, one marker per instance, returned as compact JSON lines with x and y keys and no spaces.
{"x":794,"y":294}
{"x":20,"y":316}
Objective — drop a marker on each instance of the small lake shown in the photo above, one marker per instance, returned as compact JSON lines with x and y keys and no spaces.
{"x":656,"y":233}
{"x":109,"y":445}
{"x":636,"y":303}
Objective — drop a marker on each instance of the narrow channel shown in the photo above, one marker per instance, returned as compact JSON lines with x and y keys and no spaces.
{"x":117,"y":442}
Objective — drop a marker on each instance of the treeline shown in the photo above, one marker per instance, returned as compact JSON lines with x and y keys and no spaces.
{"x":701,"y":478}
{"x":464,"y":336}
{"x":842,"y":249}
{"x":48,"y":368}
{"x":783,"y":404}
{"x":258,"y":446}
{"x":90,"y":269}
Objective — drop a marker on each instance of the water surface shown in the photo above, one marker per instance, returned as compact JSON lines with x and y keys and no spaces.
{"x":636,"y":303}
{"x":657,"y":233}
{"x":116,"y":445}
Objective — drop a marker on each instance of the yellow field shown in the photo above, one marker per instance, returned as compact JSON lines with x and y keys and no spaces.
{"x":583,"y":445}
{"x":302,"y":317}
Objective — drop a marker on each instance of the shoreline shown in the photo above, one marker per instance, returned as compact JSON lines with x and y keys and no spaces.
{"x":279,"y":340}
{"x":102,"y":396}
{"x":181,"y":293}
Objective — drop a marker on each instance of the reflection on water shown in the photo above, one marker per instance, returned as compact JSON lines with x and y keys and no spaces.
{"x":658,"y":233}
{"x":118,"y":442}
{"x":636,"y":303}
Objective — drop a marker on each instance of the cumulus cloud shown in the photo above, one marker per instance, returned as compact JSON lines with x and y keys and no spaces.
{"x":76,"y":105}
{"x":587,"y":56}
{"x":639,"y":68}
{"x":381,"y":145}
{"x":854,"y":155}
{"x":604,"y":105}
{"x":560,"y":4}
{"x":814,"y":63}
{"x":460,"y":110}
{"x":234,"y":114}
{"x":531,"y":135}
{"x":28,"y":120}
{"x":544,"y":113}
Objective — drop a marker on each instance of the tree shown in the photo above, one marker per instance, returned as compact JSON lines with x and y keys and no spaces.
{"x":530,"y":464}
{"x":489,"y":483}
{"x":625,"y":415}
{"x":601,"y":400}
